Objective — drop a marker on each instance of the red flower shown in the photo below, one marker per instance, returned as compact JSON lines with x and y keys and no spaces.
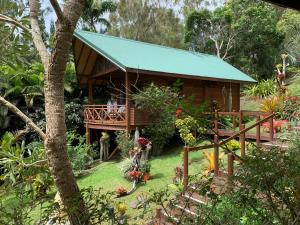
{"x":143,"y":141}
{"x":135,"y":174}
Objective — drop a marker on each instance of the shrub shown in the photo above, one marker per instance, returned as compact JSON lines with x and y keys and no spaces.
{"x":263,"y":89}
{"x":272,"y":104}
{"x":124,"y":142}
{"x":291,"y":109}
{"x":79,"y":152}
{"x":160,"y":104}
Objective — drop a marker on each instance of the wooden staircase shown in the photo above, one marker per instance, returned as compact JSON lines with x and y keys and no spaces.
{"x":188,"y":202}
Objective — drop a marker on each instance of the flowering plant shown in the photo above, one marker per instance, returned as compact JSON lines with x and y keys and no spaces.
{"x":121,"y":208}
{"x":135,"y":175}
{"x":143,"y":142}
{"x":121,"y":191}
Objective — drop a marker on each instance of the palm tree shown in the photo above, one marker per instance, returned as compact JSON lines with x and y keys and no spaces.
{"x":93,"y":14}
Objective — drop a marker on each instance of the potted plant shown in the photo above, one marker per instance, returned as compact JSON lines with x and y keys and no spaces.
{"x":145,"y":169}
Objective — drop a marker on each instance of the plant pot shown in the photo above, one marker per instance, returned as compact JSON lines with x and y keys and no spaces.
{"x":146,"y":176}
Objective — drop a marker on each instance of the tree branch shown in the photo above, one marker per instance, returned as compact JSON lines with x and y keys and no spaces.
{"x":7,"y":19}
{"x":37,"y":35}
{"x":57,"y":10}
{"x":25,"y":118}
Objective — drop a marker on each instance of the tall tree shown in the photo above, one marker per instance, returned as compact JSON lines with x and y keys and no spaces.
{"x":54,"y":66}
{"x":290,"y":24}
{"x":211,"y":31}
{"x":92,"y":15}
{"x":147,"y":20}
{"x":259,"y":39}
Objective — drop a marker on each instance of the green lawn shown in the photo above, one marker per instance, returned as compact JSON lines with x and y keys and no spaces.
{"x":108,"y":176}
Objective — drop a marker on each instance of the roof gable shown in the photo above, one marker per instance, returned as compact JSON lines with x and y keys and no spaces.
{"x":130,"y":54}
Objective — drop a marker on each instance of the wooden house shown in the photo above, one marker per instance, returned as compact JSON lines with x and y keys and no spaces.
{"x":122,"y":64}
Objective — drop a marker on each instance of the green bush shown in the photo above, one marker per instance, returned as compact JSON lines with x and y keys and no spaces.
{"x":79,"y":152}
{"x":263,"y":89}
{"x":124,"y":142}
{"x":160,"y":104}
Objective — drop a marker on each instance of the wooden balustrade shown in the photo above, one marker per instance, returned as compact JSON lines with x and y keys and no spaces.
{"x":232,"y":156}
{"x":104,"y":114}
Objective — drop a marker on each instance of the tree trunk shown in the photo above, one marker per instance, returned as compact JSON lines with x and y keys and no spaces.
{"x":55,"y":142}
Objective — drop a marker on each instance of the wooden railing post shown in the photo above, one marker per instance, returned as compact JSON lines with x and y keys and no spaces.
{"x":185,"y":166}
{"x":242,"y":141}
{"x":240,"y":119}
{"x":233,"y":120}
{"x":216,"y":155}
{"x":230,"y":164}
{"x":87,"y":134}
{"x":271,"y":129}
{"x":216,"y":126}
{"x":257,"y":132}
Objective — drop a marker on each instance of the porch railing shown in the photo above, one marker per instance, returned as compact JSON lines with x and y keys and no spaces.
{"x":104,"y":113}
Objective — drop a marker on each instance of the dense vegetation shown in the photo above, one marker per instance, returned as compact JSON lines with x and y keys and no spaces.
{"x":248,"y":34}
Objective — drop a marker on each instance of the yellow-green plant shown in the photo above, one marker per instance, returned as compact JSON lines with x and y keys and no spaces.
{"x":186,"y":126}
{"x":232,"y":145}
{"x":272,"y":104}
{"x":209,"y":156}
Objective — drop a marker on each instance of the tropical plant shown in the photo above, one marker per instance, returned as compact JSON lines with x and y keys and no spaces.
{"x":79,"y":152}
{"x":263,"y":89}
{"x":93,"y":13}
{"x":24,"y":164}
{"x":272,"y":104}
{"x":209,"y":156}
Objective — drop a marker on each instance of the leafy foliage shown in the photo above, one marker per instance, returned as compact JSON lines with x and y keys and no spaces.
{"x":124,"y":142}
{"x":151,"y":99}
{"x":149,"y":21}
{"x":93,"y":13}
{"x":264,"y":88}
{"x":272,"y":104}
{"x":78,"y":151}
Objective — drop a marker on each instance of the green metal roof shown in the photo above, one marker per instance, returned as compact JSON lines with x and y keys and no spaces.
{"x":130,"y":54}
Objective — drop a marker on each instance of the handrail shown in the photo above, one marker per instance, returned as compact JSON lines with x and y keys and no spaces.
{"x":246,"y":129}
{"x":201,"y":147}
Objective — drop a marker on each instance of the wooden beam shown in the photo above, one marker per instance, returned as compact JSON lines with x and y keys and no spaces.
{"x":127,"y":89}
{"x":105,"y":72}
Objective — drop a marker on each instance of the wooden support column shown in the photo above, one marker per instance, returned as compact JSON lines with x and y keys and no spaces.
{"x":216,"y":155}
{"x":242,"y":141}
{"x":90,"y":92}
{"x":240,"y":118}
{"x":257,"y":132}
{"x":271,"y":129}
{"x":230,"y":164}
{"x":185,"y":166}
{"x":87,"y":134}
{"x":216,"y":126}
{"x":233,"y":120}
{"x":127,"y":91}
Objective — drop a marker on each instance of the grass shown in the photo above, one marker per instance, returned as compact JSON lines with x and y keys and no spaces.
{"x":108,"y":175}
